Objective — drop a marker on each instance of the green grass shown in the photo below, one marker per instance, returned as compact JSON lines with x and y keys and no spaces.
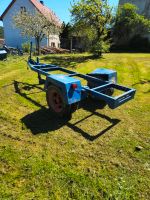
{"x":92,"y":156}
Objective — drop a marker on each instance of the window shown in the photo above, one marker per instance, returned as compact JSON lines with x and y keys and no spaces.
{"x":22,"y":9}
{"x":52,"y":44}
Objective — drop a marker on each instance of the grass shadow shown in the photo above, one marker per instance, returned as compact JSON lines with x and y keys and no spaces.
{"x":42,"y":121}
{"x":67,"y":61}
{"x":147,"y":92}
{"x":142,"y":82}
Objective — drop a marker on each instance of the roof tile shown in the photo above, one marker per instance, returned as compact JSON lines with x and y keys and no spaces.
{"x":47,"y":12}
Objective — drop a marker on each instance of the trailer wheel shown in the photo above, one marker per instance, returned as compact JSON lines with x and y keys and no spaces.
{"x":56,"y":103}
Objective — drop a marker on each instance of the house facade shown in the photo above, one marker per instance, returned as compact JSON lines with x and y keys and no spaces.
{"x":12,"y":35}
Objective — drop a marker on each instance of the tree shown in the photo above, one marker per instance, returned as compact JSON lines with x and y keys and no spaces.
{"x":92,"y":18}
{"x":129,"y":23}
{"x":35,"y":25}
{"x":65,"y":35}
{"x":66,"y":30}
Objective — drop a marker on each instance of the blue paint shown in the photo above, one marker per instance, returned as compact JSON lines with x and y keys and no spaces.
{"x":102,"y":72}
{"x":101,"y":79}
{"x":65,"y":84}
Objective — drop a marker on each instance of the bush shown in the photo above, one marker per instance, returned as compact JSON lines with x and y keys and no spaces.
{"x":26,"y":47}
{"x":100,"y":47}
{"x":139,"y":43}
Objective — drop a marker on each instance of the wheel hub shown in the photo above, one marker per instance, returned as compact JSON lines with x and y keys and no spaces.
{"x":56,"y":101}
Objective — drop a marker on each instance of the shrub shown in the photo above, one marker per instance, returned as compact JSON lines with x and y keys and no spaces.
{"x":139,"y":43}
{"x":100,"y":47}
{"x":26,"y":47}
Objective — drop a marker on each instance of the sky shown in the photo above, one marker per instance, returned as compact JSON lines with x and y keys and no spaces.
{"x":60,"y":7}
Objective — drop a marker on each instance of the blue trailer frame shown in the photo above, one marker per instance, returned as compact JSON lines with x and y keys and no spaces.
{"x":65,"y":91}
{"x":81,"y":92}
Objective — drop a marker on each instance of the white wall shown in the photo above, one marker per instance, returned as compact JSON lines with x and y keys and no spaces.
{"x":12,"y":35}
{"x":54,"y":39}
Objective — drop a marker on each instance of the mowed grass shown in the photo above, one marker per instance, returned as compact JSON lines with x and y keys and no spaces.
{"x":98,"y":154}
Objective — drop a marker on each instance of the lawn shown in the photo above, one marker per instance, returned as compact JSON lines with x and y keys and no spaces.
{"x":98,"y":154}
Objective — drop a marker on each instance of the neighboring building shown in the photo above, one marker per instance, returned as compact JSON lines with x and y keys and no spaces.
{"x":13,"y":36}
{"x":143,"y":9}
{"x":143,"y":6}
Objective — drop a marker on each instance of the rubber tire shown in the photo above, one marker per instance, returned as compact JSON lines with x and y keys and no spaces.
{"x":67,"y":109}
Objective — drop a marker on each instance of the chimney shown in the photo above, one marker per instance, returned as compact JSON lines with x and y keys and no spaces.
{"x":42,"y":2}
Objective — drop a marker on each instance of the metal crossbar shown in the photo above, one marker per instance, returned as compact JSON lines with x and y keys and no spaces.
{"x":97,"y":92}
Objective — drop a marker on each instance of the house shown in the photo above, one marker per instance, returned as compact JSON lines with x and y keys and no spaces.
{"x":13,"y":35}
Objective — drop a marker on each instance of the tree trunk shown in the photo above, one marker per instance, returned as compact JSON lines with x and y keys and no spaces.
{"x":38,"y":45}
{"x":71,"y":45}
{"x":99,"y":34}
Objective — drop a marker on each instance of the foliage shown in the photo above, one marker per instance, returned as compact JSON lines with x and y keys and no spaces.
{"x":1,"y":32}
{"x":88,"y":157}
{"x":35,"y":25}
{"x":65,"y":35}
{"x":26,"y":47}
{"x":91,"y":19}
{"x":80,"y":40}
{"x":129,"y":23}
{"x":66,"y":30}
{"x":84,"y":35}
{"x":99,"y":46}
{"x":139,"y":43}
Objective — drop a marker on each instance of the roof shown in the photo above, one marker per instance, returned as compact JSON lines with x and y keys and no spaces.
{"x":47,"y":12}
